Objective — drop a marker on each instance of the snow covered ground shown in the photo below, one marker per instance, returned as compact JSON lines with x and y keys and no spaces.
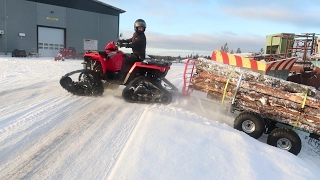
{"x":47,"y":133}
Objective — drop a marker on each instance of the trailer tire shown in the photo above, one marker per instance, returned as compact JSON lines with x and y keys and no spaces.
{"x":250,"y":123}
{"x":285,"y":139}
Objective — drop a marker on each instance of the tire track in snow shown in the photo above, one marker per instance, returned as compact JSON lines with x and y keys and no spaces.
{"x":133,"y":131}
{"x":31,"y":119}
{"x":30,"y":103}
{"x":38,"y":153}
{"x":13,"y":115}
{"x":32,"y":125}
{"x":11,"y":79}
{"x":47,"y":98}
{"x":82,"y":134}
{"x":122,"y":140}
{"x":18,"y":89}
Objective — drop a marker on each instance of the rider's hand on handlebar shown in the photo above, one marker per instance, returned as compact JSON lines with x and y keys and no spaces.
{"x":122,"y":41}
{"x":128,"y":45}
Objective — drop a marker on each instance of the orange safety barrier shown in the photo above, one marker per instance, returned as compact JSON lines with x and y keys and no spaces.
{"x":239,"y":61}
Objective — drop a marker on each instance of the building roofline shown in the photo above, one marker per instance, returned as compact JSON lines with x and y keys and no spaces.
{"x":120,"y":10}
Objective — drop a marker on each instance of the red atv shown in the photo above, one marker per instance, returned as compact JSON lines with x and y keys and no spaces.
{"x":66,"y":53}
{"x":59,"y":57}
{"x":145,"y":81}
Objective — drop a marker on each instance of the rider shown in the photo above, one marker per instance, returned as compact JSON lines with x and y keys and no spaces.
{"x":138,"y":45}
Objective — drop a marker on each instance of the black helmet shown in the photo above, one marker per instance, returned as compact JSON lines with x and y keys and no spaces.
{"x":139,"y":23}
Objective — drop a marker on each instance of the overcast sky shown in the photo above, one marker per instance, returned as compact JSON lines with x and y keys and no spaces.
{"x":180,"y":27}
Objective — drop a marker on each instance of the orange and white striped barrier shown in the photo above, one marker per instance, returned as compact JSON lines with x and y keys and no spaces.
{"x":283,"y":64}
{"x":234,"y":60}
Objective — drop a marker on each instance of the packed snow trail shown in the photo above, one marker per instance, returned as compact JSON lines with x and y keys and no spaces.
{"x":64,"y":141}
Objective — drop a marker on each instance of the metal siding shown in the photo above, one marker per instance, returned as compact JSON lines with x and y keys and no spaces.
{"x":24,"y":16}
{"x":81,"y":25}
{"x":49,"y":15}
{"x":20,"y":19}
{"x":88,"y":25}
{"x":108,"y":29}
{"x":2,"y":25}
{"x":86,"y":5}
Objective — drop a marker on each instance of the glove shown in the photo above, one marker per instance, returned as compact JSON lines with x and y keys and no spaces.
{"x":120,"y":43}
{"x":128,"y":45}
{"x":123,"y":40}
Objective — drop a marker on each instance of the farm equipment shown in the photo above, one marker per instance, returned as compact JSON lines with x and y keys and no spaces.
{"x":145,"y":82}
{"x":304,"y":47}
{"x":262,"y":103}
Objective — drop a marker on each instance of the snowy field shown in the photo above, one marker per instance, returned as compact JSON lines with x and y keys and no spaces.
{"x":47,"y":133}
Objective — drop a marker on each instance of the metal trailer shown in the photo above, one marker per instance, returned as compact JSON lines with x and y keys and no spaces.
{"x":281,"y":135}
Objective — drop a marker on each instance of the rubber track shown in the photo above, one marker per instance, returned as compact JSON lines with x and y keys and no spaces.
{"x":81,"y":89}
{"x":156,"y":85}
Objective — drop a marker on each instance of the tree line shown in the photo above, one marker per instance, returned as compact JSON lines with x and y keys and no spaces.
{"x":178,"y":58}
{"x":223,"y":48}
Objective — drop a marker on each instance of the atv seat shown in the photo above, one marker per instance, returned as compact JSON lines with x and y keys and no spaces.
{"x":156,"y":62}
{"x":103,"y":53}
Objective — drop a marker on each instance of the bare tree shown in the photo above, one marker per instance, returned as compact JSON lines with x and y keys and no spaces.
{"x":238,"y":50}
{"x":261,"y":51}
{"x":225,"y":48}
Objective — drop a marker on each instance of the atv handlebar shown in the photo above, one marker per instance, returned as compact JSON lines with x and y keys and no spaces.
{"x":123,"y":43}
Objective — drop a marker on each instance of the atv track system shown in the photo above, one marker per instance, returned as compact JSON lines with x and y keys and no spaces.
{"x":146,"y":90}
{"x":88,"y":84}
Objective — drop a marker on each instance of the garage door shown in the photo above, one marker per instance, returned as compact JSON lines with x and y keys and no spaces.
{"x":50,"y":40}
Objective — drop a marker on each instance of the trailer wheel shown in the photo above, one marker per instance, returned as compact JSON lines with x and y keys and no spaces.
{"x":250,"y":123}
{"x":285,"y":139}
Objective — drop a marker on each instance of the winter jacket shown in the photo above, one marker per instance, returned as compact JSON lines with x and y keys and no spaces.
{"x":139,"y":43}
